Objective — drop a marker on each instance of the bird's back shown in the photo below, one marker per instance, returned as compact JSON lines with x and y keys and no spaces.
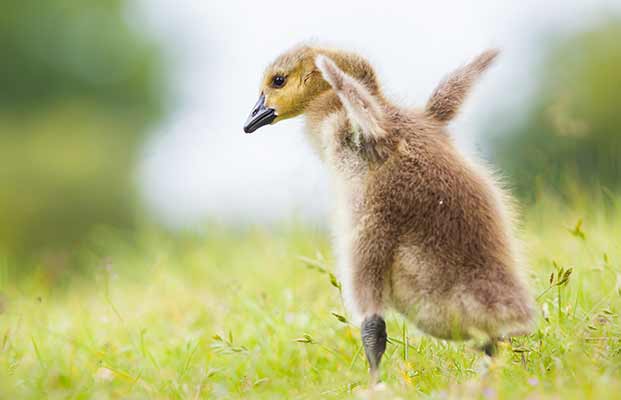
{"x":456,"y":224}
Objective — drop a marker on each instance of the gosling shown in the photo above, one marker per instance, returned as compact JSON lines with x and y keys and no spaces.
{"x":417,"y":226}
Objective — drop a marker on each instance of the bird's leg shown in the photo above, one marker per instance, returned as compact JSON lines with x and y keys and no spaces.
{"x":490,"y":348}
{"x":373,"y":332}
{"x":372,"y":256}
{"x":486,"y":363}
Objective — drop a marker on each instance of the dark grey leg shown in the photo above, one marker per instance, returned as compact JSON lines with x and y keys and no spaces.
{"x":490,"y":348}
{"x":374,"y":337}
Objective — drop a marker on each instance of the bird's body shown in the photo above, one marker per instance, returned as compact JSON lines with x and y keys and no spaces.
{"x":417,"y":226}
{"x":452,"y":262}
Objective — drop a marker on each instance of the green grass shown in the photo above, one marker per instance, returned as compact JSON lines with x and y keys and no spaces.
{"x":253,"y":314}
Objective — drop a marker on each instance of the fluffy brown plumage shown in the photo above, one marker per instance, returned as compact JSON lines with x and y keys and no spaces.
{"x":417,"y":226}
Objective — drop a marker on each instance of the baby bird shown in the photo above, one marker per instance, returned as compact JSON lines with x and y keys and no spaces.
{"x":418,"y":227}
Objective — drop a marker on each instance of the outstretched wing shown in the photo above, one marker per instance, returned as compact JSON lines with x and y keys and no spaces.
{"x":363,"y":109}
{"x":450,"y":94}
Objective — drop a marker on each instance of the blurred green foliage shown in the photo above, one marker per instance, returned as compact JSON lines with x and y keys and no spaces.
{"x":58,"y":49}
{"x":80,"y":86}
{"x":572,"y":134}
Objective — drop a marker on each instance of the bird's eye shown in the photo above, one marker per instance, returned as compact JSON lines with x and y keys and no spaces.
{"x":278,"y":81}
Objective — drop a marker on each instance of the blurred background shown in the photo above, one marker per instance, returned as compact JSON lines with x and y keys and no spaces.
{"x":119,"y":114}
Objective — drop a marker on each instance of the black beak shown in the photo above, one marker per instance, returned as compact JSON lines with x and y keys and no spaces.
{"x":259,"y":116}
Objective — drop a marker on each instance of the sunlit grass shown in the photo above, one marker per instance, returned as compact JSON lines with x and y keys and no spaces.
{"x":257,"y":314}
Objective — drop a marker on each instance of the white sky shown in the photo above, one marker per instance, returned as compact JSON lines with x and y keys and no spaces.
{"x":200,"y":165}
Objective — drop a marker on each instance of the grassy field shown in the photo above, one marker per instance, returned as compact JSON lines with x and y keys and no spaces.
{"x":255,"y":314}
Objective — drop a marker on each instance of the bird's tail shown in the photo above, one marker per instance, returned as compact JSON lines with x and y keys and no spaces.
{"x":450,"y":94}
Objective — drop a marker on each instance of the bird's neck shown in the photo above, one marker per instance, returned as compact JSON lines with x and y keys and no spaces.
{"x":323,"y":105}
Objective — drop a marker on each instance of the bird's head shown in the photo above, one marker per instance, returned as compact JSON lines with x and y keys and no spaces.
{"x":293,"y":80}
